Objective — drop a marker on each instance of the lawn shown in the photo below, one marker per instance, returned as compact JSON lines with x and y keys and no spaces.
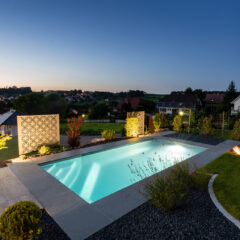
{"x":11,"y":151}
{"x":94,"y":128}
{"x":227,"y":185}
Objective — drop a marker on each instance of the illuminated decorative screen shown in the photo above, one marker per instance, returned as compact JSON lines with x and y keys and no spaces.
{"x":140,"y":116}
{"x":37,"y":130}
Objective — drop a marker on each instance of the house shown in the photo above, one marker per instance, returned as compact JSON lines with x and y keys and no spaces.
{"x":174,"y":103}
{"x":132,"y":103}
{"x":214,"y":98}
{"x":8,"y":122}
{"x":236,"y":106}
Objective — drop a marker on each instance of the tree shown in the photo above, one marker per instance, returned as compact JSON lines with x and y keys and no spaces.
{"x":53,"y":103}
{"x":200,"y":94}
{"x":37,"y":103}
{"x":206,"y":127}
{"x":30,"y":103}
{"x":99,"y":111}
{"x":236,"y":130}
{"x":150,"y":124}
{"x":231,"y":93}
{"x":157,"y":121}
{"x":188,"y":90}
{"x":177,"y":123}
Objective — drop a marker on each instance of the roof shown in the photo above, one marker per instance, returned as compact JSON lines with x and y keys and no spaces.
{"x":216,"y":98}
{"x":10,"y":117}
{"x":179,"y":101}
{"x":236,"y":99}
{"x":133,"y":101}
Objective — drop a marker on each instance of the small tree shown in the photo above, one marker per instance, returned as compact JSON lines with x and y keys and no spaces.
{"x":206,"y":128}
{"x":3,"y":141}
{"x":74,"y":132}
{"x":164,"y":120}
{"x":177,"y":123}
{"x":150,"y":124}
{"x":157,"y":121}
{"x":236,"y":130}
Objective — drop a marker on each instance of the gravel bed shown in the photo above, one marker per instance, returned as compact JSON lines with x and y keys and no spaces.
{"x":195,"y":138}
{"x":199,"y":219}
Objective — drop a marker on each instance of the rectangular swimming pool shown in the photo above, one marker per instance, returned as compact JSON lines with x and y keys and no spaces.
{"x":97,"y":175}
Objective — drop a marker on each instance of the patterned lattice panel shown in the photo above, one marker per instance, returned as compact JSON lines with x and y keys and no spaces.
{"x":37,"y":130}
{"x":140,"y":116}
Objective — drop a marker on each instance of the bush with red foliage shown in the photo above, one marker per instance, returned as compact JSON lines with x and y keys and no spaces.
{"x":74,"y":131}
{"x":150,"y":124}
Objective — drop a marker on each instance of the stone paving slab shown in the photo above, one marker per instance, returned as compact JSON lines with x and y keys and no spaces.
{"x":12,"y":190}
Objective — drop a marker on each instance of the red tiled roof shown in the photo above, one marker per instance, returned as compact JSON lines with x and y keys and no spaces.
{"x":133,"y":101}
{"x":214,"y":98}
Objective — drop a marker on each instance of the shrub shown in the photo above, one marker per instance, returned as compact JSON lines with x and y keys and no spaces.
{"x":236,"y":130}
{"x":74,"y":125}
{"x":165,"y":193}
{"x":177,"y":123}
{"x":206,"y":128}
{"x":23,"y":156}
{"x":44,"y":150}
{"x":21,"y":221}
{"x":164,"y":121}
{"x":109,"y":135}
{"x":3,"y":141}
{"x":170,"y":191}
{"x":132,"y":127}
{"x":157,"y":121}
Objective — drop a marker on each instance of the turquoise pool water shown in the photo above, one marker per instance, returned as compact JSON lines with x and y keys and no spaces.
{"x":97,"y":175}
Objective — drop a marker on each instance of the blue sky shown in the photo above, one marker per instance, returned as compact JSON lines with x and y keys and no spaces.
{"x":156,"y":46}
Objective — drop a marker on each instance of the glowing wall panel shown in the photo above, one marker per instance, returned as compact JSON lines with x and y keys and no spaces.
{"x":140,"y":116}
{"x":37,"y":130}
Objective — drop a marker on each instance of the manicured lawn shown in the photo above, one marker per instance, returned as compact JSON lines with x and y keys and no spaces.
{"x":94,"y":128}
{"x":11,"y":151}
{"x":227,"y":185}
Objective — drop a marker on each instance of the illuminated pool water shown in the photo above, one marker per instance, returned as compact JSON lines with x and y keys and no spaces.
{"x":97,"y":175}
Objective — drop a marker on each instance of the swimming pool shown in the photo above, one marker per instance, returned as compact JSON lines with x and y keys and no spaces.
{"x":97,"y":175}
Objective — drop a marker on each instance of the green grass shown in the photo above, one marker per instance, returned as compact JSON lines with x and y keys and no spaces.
{"x":11,"y":151}
{"x":153,"y":97}
{"x":227,"y":185}
{"x":94,"y":128}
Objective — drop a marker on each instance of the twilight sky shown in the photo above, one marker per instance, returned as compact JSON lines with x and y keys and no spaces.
{"x":156,"y":46}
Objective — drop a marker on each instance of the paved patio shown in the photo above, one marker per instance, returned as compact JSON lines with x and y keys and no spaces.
{"x":12,"y":190}
{"x":75,"y":216}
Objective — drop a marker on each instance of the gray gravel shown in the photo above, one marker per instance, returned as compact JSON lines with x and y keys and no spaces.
{"x":199,"y":219}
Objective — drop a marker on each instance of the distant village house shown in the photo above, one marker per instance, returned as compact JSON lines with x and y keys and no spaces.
{"x":174,"y":103}
{"x":236,"y":106}
{"x":8,"y":122}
